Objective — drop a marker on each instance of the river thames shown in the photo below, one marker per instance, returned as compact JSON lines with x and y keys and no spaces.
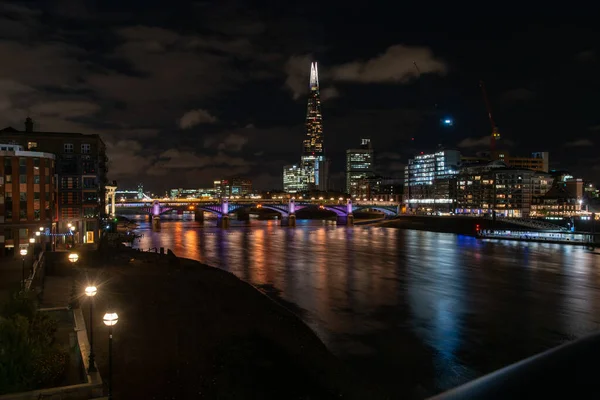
{"x":417,"y":312}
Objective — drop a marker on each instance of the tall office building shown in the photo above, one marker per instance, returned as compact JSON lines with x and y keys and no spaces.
{"x":314,"y":164}
{"x":81,"y":175}
{"x":359,"y":166}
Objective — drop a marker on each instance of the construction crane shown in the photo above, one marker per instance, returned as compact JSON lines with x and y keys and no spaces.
{"x":495,"y":132}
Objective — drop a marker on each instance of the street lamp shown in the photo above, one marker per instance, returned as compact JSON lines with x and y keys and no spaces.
{"x":41,"y":228}
{"x":23,"y":254}
{"x":72,"y":229}
{"x":73,"y":257}
{"x":38,"y":233}
{"x":90,"y":291}
{"x":110,"y":320}
{"x":32,"y":240}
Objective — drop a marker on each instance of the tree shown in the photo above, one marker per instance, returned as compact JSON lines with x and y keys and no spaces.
{"x":29,"y":358}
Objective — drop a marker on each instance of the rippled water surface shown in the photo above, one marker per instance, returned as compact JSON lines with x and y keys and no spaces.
{"x":418,"y":312}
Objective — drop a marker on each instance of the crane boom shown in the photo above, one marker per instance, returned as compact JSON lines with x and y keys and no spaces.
{"x":495,"y":132}
{"x":487,"y":104}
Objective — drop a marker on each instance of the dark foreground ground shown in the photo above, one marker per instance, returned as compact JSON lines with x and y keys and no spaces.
{"x":192,"y":331}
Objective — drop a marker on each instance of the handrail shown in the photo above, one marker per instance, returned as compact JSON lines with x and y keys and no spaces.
{"x":37,"y":265}
{"x":566,"y":371}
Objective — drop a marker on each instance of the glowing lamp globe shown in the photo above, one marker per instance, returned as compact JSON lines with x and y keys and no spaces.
{"x":90,"y":291}
{"x":23,"y":252}
{"x":111,"y":319}
{"x":73,"y":257}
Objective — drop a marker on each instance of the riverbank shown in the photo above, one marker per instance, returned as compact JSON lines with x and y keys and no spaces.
{"x":187,"y":330}
{"x":447,"y":224}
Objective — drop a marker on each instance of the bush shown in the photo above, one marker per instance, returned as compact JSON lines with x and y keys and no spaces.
{"x":28,"y":357}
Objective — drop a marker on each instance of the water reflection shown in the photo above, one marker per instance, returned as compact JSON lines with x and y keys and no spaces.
{"x":437,"y":308}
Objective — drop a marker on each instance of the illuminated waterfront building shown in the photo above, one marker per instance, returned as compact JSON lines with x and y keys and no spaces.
{"x":494,"y":188}
{"x":359,"y":167}
{"x":430,"y":181}
{"x":558,"y":202}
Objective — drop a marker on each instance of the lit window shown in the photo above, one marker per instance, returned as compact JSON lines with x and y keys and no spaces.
{"x":31,"y":145}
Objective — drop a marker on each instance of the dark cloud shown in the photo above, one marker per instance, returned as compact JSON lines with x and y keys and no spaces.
{"x":580,"y":143}
{"x":196,"y":117}
{"x":137,"y":75}
{"x":518,"y":95}
{"x":481,"y":142}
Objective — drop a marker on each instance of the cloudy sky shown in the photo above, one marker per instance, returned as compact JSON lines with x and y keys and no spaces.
{"x":186,"y":92}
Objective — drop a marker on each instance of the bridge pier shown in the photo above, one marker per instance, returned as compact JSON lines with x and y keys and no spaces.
{"x":242,"y":216}
{"x":223,"y":221}
{"x":199,"y":215}
{"x":347,"y":220}
{"x":288,"y":220}
{"x":156,"y":223}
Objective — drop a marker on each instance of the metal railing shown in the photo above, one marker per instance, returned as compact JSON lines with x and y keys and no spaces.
{"x":564,"y":372}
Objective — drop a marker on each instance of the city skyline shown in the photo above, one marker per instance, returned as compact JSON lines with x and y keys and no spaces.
{"x":204,"y":91}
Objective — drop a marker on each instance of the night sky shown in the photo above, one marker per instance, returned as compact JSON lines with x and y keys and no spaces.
{"x":187,"y":92}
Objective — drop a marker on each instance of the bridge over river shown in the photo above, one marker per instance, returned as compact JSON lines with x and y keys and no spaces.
{"x":286,"y":207}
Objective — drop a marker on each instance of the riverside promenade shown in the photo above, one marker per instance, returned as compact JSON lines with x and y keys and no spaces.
{"x":187,"y":330}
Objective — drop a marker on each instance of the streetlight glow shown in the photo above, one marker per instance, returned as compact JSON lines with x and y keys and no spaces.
{"x":73,"y":257}
{"x":38,"y":233}
{"x":23,"y":252}
{"x":41,"y":228}
{"x":110,"y":319}
{"x":90,"y":291}
{"x":31,"y":240}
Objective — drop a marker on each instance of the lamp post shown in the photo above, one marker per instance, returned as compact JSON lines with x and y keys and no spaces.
{"x":72,"y":229}
{"x":110,"y":320}
{"x":23,"y":253}
{"x":90,"y":291}
{"x":73,"y":257}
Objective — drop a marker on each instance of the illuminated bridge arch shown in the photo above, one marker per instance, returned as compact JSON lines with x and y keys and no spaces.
{"x":387,"y":210}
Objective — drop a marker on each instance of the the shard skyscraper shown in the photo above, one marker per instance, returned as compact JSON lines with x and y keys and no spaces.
{"x":313,"y":161}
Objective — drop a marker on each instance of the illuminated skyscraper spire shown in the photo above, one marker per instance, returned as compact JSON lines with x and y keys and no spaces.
{"x":313,"y":144}
{"x":314,"y":76}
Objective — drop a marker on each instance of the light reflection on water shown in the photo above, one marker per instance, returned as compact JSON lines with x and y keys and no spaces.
{"x":472,"y":306}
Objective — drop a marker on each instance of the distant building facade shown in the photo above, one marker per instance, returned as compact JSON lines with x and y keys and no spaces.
{"x":27,"y":197}
{"x":382,"y":188}
{"x":81,"y":168}
{"x":359,"y":167}
{"x":241,"y":187}
{"x":295,"y":179}
{"x":232,"y":187}
{"x":538,"y":161}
